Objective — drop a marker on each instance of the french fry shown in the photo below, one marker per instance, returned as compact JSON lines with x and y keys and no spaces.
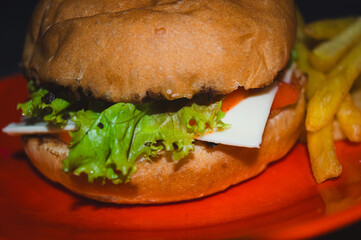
{"x":357,"y":84}
{"x":349,"y":118}
{"x":302,"y":55}
{"x":327,"y":99}
{"x":338,"y":133}
{"x":322,"y":153}
{"x":356,"y":97}
{"x":347,"y":60}
{"x":325,"y":56}
{"x":315,"y":78}
{"x":328,"y":28}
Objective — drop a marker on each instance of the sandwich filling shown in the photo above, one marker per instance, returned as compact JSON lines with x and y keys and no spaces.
{"x":107,"y":139}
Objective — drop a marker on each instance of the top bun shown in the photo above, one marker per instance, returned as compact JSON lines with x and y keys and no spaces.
{"x":125,"y":51}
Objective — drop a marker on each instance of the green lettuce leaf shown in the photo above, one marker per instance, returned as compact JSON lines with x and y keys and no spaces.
{"x":107,"y":144}
{"x":110,"y":138}
{"x":44,"y":104}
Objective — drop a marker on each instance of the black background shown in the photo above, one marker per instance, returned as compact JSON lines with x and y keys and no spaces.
{"x":15,"y":15}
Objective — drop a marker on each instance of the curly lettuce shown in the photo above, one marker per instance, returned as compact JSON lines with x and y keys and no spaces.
{"x":110,"y":139}
{"x":45,"y":105}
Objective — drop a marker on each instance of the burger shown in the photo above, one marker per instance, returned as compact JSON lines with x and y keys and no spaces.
{"x":159,"y":101}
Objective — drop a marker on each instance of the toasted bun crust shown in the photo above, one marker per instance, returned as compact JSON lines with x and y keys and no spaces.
{"x":134,"y":49}
{"x":206,"y":171}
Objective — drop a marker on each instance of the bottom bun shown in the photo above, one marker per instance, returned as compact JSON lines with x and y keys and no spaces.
{"x":206,"y":171}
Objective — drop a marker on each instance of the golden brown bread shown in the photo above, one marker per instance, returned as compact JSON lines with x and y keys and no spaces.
{"x":132,"y":49}
{"x":206,"y":171}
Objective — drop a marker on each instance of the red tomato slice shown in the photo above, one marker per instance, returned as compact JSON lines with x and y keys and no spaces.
{"x":287,"y":94}
{"x":233,"y":99}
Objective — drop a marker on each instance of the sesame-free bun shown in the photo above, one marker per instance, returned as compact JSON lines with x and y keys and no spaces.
{"x":125,"y":51}
{"x":206,"y":171}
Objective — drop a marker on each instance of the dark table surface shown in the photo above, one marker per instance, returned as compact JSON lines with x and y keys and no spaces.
{"x":15,"y":14}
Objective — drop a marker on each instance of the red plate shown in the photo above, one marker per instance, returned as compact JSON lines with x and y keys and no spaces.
{"x":283,"y":202}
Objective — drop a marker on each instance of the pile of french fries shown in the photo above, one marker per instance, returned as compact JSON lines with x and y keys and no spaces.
{"x":329,"y":52}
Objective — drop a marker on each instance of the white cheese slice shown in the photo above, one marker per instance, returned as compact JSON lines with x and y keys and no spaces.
{"x":248,"y":120}
{"x":23,"y":128}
